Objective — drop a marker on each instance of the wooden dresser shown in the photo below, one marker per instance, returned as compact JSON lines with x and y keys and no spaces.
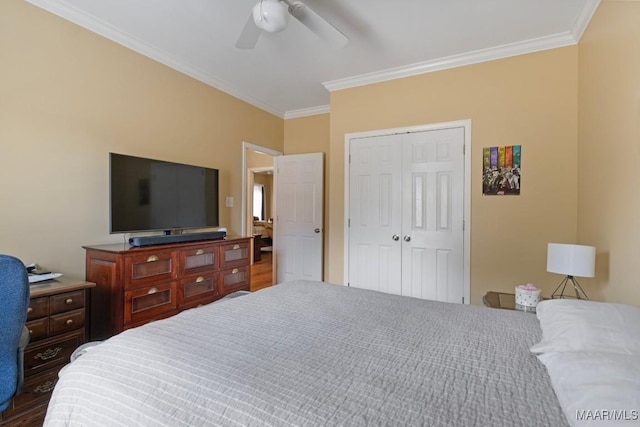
{"x":57,"y":325}
{"x":135,"y":285}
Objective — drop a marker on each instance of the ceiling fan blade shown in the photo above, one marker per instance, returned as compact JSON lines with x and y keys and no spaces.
{"x":249,"y":35}
{"x":317,"y":24}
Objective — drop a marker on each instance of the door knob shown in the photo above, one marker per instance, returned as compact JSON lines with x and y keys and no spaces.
{"x":407,"y":238}
{"x":317,"y":230}
{"x":395,"y":237}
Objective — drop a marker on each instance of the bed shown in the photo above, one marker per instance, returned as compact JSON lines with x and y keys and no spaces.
{"x":311,"y":353}
{"x":264,"y":229}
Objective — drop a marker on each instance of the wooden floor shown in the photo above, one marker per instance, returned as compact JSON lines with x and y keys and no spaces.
{"x":261,"y":272}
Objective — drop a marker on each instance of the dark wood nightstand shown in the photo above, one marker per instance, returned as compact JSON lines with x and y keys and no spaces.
{"x":505,"y":301}
{"x":58,"y":323}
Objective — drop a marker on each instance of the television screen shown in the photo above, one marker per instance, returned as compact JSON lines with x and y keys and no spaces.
{"x":147,"y":194}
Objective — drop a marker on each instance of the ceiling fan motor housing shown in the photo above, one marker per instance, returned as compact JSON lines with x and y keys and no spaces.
{"x":271,"y":15}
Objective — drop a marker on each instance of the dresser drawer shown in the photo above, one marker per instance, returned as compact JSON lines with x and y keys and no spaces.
{"x":38,"y":307}
{"x":141,"y":269}
{"x":51,"y":352}
{"x":234,"y":254}
{"x":66,"y":322}
{"x":38,"y":329}
{"x":147,"y":303}
{"x":66,"y":302}
{"x":198,"y":260}
{"x":234,"y":279}
{"x":37,"y":389}
{"x":195,"y":288}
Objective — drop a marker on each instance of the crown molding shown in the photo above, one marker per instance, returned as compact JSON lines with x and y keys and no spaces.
{"x":97,"y":26}
{"x":305,"y":112}
{"x":469,"y":58}
{"x":583,"y":18}
{"x":483,"y":55}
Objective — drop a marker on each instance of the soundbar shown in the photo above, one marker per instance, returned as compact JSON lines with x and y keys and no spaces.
{"x":176,"y":238}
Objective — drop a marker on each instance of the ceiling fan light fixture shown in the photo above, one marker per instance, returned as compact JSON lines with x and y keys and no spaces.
{"x":271,"y":15}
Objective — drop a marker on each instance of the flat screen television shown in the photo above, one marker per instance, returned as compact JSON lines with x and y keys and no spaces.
{"x":153,"y":195}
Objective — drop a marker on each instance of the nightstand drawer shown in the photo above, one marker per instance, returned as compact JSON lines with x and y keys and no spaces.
{"x":38,"y":307}
{"x":38,"y":329}
{"x":36,"y":389}
{"x":51,"y":352}
{"x":66,"y":302}
{"x":66,"y":322}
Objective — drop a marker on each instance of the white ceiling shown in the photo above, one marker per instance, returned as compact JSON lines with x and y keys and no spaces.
{"x":291,"y":73}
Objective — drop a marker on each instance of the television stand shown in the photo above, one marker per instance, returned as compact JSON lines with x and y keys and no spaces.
{"x":166,"y":239}
{"x":136,"y":285}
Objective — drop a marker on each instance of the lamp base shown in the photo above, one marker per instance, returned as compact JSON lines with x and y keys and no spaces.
{"x":580,"y":294}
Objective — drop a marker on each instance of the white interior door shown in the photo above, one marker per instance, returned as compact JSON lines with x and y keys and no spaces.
{"x":433,"y":214}
{"x":298,"y":225}
{"x":406,"y":212}
{"x":375,"y":221}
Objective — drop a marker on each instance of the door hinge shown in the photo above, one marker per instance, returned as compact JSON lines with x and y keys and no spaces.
{"x":349,"y":158}
{"x":463,"y":300}
{"x":463,"y":225}
{"x":464,"y":148}
{"x":349,"y":223}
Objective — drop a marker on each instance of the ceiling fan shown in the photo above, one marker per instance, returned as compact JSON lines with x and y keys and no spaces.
{"x":273,"y":16}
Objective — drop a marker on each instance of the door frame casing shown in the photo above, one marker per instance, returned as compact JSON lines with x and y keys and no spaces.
{"x":244,"y":212}
{"x":466,"y":124}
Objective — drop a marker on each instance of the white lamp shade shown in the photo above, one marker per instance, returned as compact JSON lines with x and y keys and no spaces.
{"x":271,"y":15}
{"x":572,"y":260}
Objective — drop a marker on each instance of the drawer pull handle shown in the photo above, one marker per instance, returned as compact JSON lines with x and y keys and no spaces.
{"x":44,"y":388}
{"x":152,"y":258}
{"x":30,"y":331}
{"x":152,"y":291}
{"x":199,"y":252}
{"x":69,"y":322}
{"x":69,"y":301}
{"x":50,"y":353}
{"x":236,"y":247}
{"x":200,"y":279}
{"x":30,"y":310}
{"x":234,"y":271}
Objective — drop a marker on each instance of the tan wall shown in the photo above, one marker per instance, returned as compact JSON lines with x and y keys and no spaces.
{"x":311,"y":135}
{"x":609,"y":149}
{"x":67,"y":98}
{"x":529,"y":100}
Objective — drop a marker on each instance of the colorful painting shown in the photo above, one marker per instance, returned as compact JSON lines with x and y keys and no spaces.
{"x":501,"y":170}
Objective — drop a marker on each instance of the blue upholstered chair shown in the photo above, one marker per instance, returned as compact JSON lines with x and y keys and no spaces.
{"x":14,"y":336}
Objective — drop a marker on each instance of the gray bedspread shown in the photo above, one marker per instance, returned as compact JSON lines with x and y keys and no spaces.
{"x":314,"y":354}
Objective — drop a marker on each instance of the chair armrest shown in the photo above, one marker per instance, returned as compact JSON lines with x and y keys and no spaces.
{"x":24,"y":340}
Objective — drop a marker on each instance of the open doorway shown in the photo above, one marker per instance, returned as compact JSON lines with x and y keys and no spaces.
{"x":258,"y":210}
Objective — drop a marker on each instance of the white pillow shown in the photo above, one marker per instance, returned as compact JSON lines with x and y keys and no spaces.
{"x":579,"y":325}
{"x":596,"y":388}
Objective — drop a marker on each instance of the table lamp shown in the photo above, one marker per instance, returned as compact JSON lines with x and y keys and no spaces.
{"x":571,"y":260}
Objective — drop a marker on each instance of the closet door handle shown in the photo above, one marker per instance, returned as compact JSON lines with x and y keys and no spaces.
{"x":407,"y":238}
{"x":395,"y":237}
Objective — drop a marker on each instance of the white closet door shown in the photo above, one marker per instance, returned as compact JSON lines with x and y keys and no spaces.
{"x":375,"y":215}
{"x":406,"y":209}
{"x":433,"y":214}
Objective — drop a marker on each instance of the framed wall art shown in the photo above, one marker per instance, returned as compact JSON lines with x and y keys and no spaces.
{"x":501,"y":170}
